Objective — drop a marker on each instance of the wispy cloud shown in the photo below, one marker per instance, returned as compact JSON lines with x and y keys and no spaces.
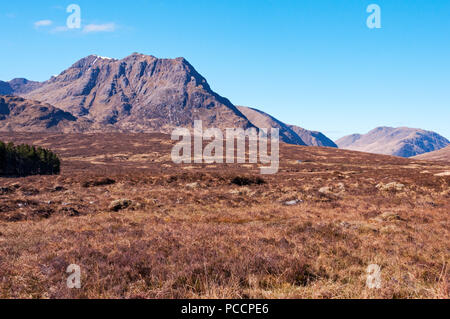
{"x":43,"y":23}
{"x":60,"y":29}
{"x":107,"y":27}
{"x":90,"y":28}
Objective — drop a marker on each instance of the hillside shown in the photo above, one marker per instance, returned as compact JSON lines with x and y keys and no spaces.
{"x":263,"y":120}
{"x":440,"y":155}
{"x":288,"y":133}
{"x":313,"y":138}
{"x":20,"y":115}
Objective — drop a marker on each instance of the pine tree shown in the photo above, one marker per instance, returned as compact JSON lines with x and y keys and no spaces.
{"x":23,"y":160}
{"x":2,"y":158}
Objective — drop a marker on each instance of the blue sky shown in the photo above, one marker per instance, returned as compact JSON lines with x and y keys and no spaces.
{"x":312,"y":63}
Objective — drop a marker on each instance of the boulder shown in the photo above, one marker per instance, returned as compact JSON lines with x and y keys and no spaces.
{"x":393,"y":186}
{"x":120,"y":204}
{"x":292,"y":202}
{"x":336,"y":191}
{"x":387,"y":217}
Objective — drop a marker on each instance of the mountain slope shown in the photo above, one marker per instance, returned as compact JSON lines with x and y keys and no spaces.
{"x":402,"y":141}
{"x":263,"y":120}
{"x":288,"y":133}
{"x":137,"y":94}
{"x":313,"y":138}
{"x":348,"y":140}
{"x":440,"y":155}
{"x":20,"y":115}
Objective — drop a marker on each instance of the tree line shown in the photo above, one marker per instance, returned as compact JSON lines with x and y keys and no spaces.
{"x":24,"y":160}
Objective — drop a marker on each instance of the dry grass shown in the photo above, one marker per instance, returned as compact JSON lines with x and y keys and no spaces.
{"x":209,"y":231}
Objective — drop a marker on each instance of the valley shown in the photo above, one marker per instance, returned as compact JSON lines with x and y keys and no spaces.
{"x":141,"y":226}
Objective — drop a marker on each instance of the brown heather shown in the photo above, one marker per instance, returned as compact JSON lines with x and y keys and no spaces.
{"x":222,"y":231}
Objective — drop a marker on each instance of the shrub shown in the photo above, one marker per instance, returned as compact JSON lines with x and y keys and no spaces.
{"x":245,"y":181}
{"x":100,"y":182}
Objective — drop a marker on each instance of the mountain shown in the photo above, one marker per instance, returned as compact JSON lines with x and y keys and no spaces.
{"x":142,"y":93}
{"x":288,"y":133}
{"x":20,"y":115}
{"x":139,"y":93}
{"x":348,"y":140}
{"x":440,"y":155}
{"x":263,"y":120}
{"x":313,"y":138}
{"x":21,"y":86}
{"x":402,"y":141}
{"x":18,"y":86}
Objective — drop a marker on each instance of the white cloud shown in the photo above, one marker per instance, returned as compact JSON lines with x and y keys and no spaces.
{"x":108,"y":27}
{"x":43,"y":23}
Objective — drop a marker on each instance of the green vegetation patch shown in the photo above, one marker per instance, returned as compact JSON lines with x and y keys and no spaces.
{"x":24,"y":160}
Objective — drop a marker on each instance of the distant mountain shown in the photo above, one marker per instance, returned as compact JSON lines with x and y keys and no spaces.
{"x":402,"y":141}
{"x":5,"y":88}
{"x":288,"y":133}
{"x":139,"y":93}
{"x":21,"y":115}
{"x":18,"y":86}
{"x":21,"y":86}
{"x":440,"y":155}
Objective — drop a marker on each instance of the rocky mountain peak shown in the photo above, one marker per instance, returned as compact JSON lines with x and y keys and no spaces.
{"x":137,"y":93}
